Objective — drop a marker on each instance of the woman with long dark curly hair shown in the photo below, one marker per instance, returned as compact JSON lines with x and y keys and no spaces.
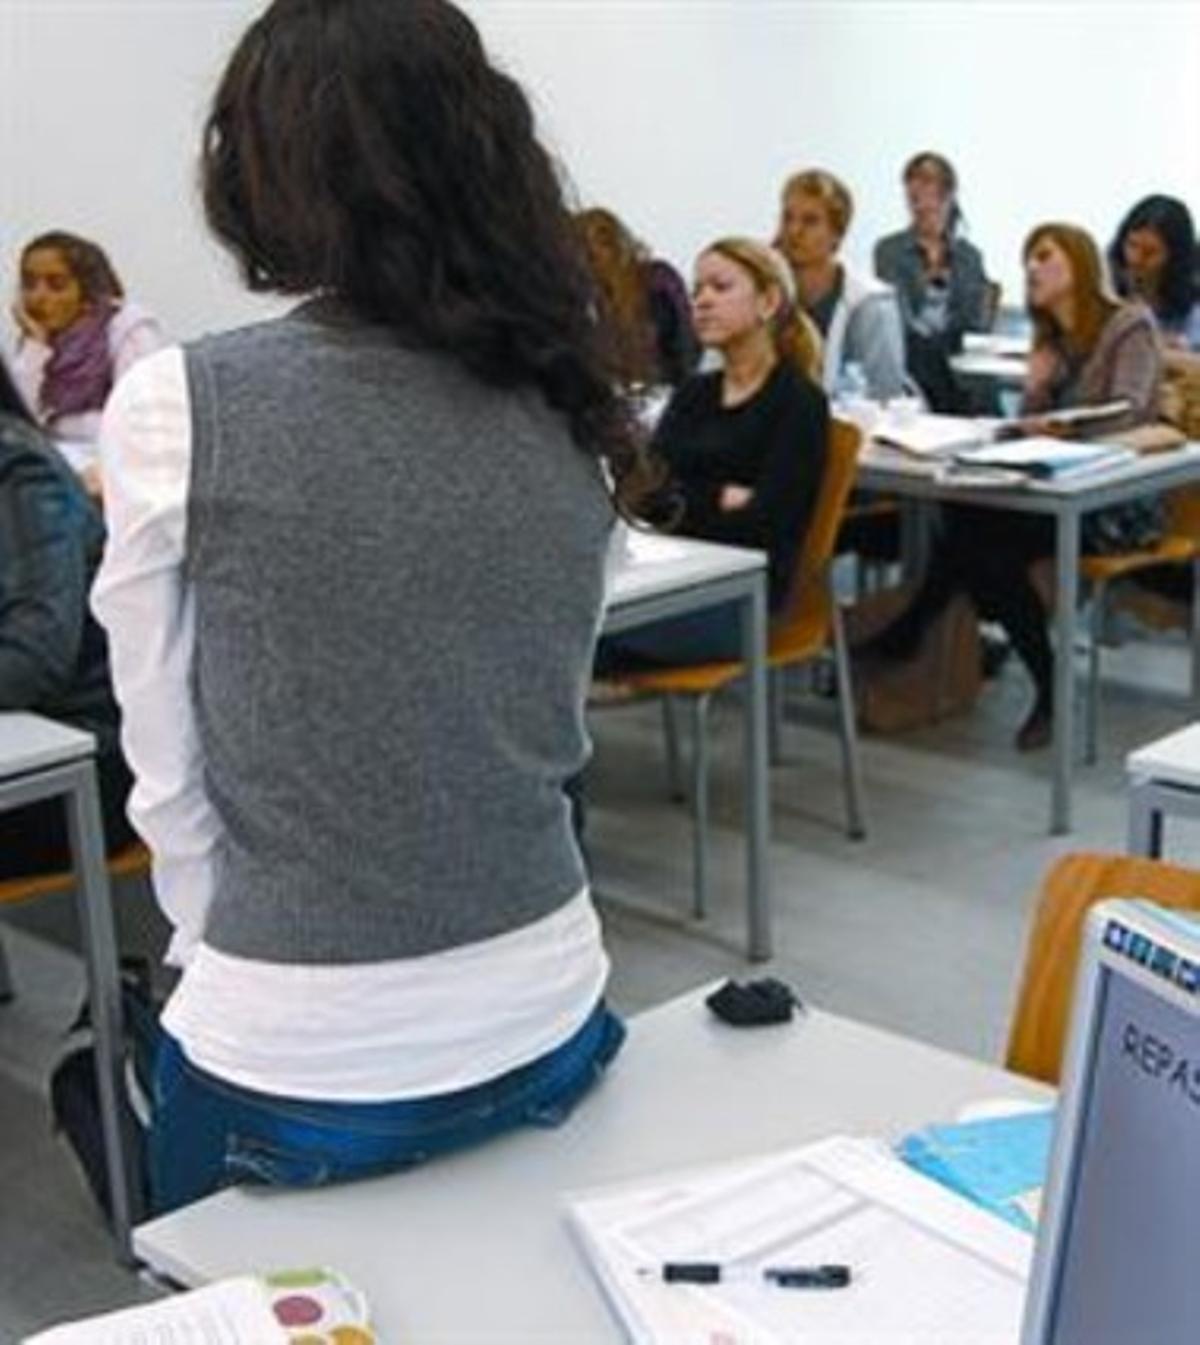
{"x":1154,"y":258}
{"x":355,"y":576}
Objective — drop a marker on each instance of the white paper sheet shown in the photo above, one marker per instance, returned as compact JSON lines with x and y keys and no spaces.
{"x":233,"y":1312}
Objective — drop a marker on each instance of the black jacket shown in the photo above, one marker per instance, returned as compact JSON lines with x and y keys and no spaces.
{"x":53,"y":654}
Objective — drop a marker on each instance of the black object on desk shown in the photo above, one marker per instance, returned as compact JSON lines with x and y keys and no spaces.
{"x":755,"y":1003}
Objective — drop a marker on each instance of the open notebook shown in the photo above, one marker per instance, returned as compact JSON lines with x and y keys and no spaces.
{"x":316,"y":1307}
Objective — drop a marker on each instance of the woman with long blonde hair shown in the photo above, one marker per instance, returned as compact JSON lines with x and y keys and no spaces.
{"x":745,"y":445}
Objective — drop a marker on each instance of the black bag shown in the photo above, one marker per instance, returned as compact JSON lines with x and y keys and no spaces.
{"x":75,"y":1096}
{"x":1136,"y":525}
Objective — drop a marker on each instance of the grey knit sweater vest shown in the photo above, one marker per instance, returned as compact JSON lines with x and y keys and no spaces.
{"x":398,"y":575}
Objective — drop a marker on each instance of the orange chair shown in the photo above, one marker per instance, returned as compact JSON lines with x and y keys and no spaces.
{"x":1073,"y":885}
{"x":1179,"y":545}
{"x":131,"y":862}
{"x":811,"y":624}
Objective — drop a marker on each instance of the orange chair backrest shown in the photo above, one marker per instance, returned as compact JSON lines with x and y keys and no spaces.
{"x":808,"y":605}
{"x":1076,"y":883}
{"x":1183,"y":512}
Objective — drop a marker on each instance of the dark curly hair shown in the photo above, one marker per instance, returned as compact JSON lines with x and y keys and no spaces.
{"x":1172,"y":221}
{"x":369,"y":149}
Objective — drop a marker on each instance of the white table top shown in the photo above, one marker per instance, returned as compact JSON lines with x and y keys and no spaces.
{"x":474,"y":1248}
{"x":1006,"y":368}
{"x":652,"y":564}
{"x":1174,"y":759}
{"x":30,"y":743}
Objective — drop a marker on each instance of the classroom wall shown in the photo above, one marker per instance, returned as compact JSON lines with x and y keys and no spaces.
{"x":684,"y":115}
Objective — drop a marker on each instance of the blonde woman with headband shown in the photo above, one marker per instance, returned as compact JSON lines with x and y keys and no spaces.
{"x":744,"y":445}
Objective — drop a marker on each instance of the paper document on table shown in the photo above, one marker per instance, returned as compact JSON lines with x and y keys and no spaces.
{"x":310,"y":1306}
{"x":931,"y":436}
{"x":652,"y":548}
{"x":234,"y":1312}
{"x":1045,"y":458}
{"x":930,"y":1267}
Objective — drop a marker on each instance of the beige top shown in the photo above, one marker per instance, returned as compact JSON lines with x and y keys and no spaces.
{"x":1126,"y":363}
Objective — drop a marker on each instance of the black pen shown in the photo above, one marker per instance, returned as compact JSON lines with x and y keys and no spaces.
{"x":782,"y":1277}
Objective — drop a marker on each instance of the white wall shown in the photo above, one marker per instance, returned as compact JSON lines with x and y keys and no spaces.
{"x":684,"y":115}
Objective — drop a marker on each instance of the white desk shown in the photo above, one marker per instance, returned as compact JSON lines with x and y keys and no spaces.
{"x":42,"y":760}
{"x":667,"y":576}
{"x":1002,"y":359}
{"x":474,"y":1248}
{"x":1066,"y":502}
{"x":1164,"y":778}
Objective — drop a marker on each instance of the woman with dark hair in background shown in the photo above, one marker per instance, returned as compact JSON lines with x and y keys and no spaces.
{"x":643,"y":302}
{"x":368,"y":542}
{"x":1153,"y":258}
{"x":744,"y":446}
{"x":53,"y":655}
{"x":78,"y":335}
{"x":938,"y":277}
{"x":1088,"y":350}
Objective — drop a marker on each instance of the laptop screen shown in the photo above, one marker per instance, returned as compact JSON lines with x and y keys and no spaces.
{"x":1129,"y":1268}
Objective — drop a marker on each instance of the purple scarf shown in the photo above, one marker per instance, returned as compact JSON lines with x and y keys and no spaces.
{"x":78,"y":375}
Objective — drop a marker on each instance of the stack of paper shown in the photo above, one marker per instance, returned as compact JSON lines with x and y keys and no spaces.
{"x":925,"y":435}
{"x":1046,"y":459}
{"x":926,"y":1267}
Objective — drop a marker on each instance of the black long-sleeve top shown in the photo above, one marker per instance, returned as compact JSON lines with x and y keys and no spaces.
{"x":775,"y":443}
{"x":53,"y":655}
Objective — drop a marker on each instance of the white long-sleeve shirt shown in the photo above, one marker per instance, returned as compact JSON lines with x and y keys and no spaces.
{"x":363,"y":1032}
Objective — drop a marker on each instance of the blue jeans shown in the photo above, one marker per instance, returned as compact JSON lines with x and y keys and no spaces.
{"x":206,"y":1133}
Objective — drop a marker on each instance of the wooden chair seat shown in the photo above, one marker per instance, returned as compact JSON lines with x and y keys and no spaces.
{"x":810,"y":624}
{"x":131,"y":862}
{"x":1171,"y":550}
{"x":793,"y":642}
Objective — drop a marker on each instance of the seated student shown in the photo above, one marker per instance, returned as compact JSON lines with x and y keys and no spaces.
{"x":1154,"y":258}
{"x":53,"y":656}
{"x":77,"y":335}
{"x":744,"y":445}
{"x":938,"y":277}
{"x":643,"y":301}
{"x":355,"y":570}
{"x":1088,"y":350}
{"x":857,"y":316}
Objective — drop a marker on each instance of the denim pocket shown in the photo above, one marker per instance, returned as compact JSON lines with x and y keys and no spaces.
{"x":248,"y":1159}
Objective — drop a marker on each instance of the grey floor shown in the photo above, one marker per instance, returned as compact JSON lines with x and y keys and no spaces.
{"x":919,"y":928}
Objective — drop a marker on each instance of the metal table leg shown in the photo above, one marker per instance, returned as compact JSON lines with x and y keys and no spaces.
{"x":1145,"y":821}
{"x":758,"y":784}
{"x":1066,"y":598}
{"x":100,"y":954}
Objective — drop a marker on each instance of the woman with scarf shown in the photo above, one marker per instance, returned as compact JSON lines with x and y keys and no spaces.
{"x":78,"y":335}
